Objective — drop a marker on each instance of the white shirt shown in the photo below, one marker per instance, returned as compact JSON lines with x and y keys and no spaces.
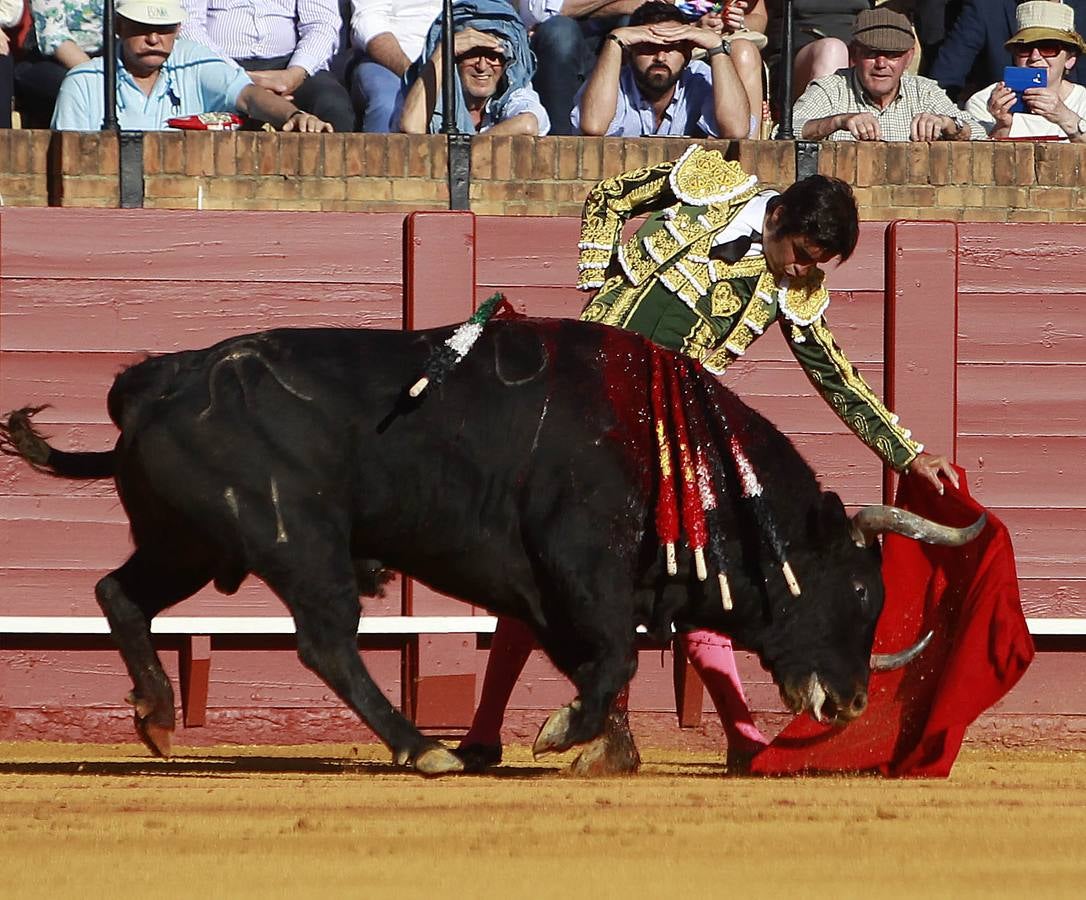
{"x":535,"y":11}
{"x":406,"y":20}
{"x":11,"y":12}
{"x":1026,"y":125}
{"x":305,"y":30}
{"x":747,"y":221}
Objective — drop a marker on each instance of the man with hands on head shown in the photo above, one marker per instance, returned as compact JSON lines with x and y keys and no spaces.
{"x":645,"y":82}
{"x":1045,"y":39}
{"x":493,"y":105}
{"x":875,"y":99}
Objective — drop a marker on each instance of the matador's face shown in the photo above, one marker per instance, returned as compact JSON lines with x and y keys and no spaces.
{"x":790,"y":255}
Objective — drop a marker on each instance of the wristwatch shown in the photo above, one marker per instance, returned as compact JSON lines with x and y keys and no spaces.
{"x":725,"y":48}
{"x":1080,"y":128}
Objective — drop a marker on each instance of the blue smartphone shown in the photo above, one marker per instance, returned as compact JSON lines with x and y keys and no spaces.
{"x":1018,"y":78}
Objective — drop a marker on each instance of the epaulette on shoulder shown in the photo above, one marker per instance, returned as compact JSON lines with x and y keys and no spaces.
{"x":702,"y":176}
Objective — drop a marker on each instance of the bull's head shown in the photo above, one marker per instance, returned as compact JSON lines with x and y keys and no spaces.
{"x":818,"y":645}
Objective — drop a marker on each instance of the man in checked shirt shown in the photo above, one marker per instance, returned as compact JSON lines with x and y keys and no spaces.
{"x":875,"y":99}
{"x":284,"y":45}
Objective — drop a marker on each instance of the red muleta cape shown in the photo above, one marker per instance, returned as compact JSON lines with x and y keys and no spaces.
{"x":917,"y":716}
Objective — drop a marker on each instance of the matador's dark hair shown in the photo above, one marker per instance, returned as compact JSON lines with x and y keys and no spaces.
{"x":822,"y":209}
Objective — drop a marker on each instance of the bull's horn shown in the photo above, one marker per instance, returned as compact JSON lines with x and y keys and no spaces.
{"x":884,"y":662}
{"x":874,"y":520}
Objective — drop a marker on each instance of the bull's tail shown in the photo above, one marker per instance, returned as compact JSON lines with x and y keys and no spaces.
{"x":19,"y":437}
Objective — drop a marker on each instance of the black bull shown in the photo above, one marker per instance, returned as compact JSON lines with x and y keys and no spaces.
{"x":524,"y":483}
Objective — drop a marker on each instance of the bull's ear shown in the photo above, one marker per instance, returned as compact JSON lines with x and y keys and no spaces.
{"x":832,"y":518}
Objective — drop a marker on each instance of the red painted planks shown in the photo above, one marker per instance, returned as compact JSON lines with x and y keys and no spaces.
{"x":1030,"y":472}
{"x":154,"y":317}
{"x":1021,"y":259}
{"x":186,"y":246}
{"x":542,"y":251}
{"x":1035,"y":326}
{"x":1005,"y":399}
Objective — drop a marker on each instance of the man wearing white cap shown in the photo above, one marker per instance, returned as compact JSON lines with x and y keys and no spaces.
{"x":1046,"y":40}
{"x":160,"y":77}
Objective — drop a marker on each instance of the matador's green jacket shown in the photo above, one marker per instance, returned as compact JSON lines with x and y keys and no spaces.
{"x":668,"y":283}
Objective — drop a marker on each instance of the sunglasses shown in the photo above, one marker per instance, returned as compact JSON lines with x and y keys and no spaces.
{"x":1047,"y":49}
{"x":489,"y":58}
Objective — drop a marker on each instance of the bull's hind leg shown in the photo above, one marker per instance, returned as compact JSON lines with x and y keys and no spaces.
{"x":323,"y":598}
{"x":130,"y":597}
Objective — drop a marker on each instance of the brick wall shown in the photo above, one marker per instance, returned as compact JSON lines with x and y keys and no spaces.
{"x":977,"y":182}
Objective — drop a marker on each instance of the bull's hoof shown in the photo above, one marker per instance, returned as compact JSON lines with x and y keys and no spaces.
{"x":553,"y":737}
{"x":612,"y":753}
{"x":479,"y":757}
{"x":159,"y":740}
{"x":438,"y":760}
{"x":156,"y":736}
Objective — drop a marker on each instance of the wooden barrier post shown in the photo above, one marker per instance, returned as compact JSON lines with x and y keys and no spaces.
{"x":195,"y":672}
{"x":921,"y":334}
{"x":439,"y":289}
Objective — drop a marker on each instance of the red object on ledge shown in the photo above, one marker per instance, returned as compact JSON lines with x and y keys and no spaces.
{"x":209,"y":121}
{"x":917,"y":716}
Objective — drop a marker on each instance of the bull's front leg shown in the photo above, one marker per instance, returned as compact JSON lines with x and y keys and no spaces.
{"x":599,"y":680}
{"x":316,"y":580}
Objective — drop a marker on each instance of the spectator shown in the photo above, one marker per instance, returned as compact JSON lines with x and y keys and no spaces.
{"x":11,"y":13}
{"x":68,"y":33}
{"x":286,"y":47}
{"x":494,"y":66}
{"x":566,"y":38}
{"x":975,"y":51}
{"x":875,"y":99}
{"x":1046,"y":39}
{"x":161,"y":76}
{"x":645,"y":82}
{"x":822,"y":30}
{"x":495,"y":85}
{"x":743,"y":23}
{"x":388,"y":37}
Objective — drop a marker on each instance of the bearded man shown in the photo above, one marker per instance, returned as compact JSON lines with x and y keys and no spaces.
{"x":647,"y":83}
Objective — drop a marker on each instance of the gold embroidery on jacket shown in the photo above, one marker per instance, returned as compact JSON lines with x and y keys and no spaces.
{"x":723,"y":300}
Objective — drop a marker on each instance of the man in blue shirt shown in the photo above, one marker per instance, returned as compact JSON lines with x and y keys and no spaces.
{"x":644,"y":82}
{"x":160,"y":77}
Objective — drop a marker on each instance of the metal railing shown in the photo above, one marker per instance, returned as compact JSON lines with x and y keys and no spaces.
{"x":130,"y":143}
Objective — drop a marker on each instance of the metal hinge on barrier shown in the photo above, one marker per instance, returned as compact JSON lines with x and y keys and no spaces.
{"x":459,"y":170}
{"x":806,"y":159}
{"x":131,"y":169}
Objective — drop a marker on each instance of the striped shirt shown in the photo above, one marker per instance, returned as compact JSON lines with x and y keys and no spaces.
{"x":842,"y":92}
{"x":305,"y":30}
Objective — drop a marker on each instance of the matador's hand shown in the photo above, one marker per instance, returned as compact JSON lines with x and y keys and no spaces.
{"x":929,"y":466}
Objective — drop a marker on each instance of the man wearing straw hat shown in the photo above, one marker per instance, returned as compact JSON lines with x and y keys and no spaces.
{"x":1046,"y":40}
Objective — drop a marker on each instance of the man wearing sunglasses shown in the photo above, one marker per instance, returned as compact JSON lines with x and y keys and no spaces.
{"x":875,"y":99}
{"x":1046,"y":39}
{"x":494,"y":66}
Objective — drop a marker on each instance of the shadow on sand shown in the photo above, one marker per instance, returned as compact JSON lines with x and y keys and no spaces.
{"x":230,"y":766}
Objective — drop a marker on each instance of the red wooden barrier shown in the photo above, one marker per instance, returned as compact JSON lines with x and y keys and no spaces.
{"x":124,"y":283}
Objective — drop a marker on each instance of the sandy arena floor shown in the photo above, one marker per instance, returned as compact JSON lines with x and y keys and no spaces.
{"x":92,"y":821}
